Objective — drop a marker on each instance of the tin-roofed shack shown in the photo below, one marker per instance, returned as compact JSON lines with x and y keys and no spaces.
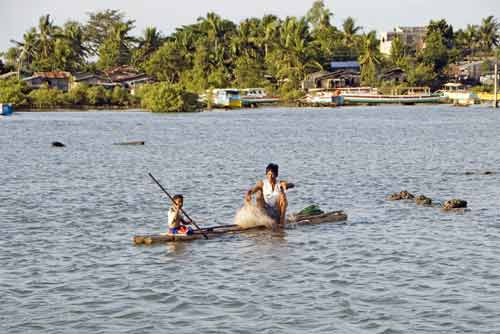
{"x":56,"y":79}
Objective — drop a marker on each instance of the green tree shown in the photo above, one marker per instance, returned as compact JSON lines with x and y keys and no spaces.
{"x":350,"y":30}
{"x":435,"y":53}
{"x":148,"y":44}
{"x":443,"y":29}
{"x":101,"y":24}
{"x":97,"y":96}
{"x":421,"y":75}
{"x":115,"y":50}
{"x":398,"y":51}
{"x":77,"y":95}
{"x":370,"y":59}
{"x":319,"y":15}
{"x":165,"y":97}
{"x":24,"y":53}
{"x":167,"y":63}
{"x":46,"y":98}
{"x":488,"y":33}
{"x":13,"y":91}
{"x":120,"y":96}
{"x":74,"y":41}
{"x":249,"y":72}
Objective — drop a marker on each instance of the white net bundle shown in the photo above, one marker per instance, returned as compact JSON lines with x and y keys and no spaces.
{"x":250,"y":216}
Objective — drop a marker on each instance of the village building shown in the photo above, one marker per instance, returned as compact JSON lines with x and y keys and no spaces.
{"x":469,"y":72}
{"x":90,"y":79}
{"x":56,"y":79}
{"x":412,"y":37}
{"x":342,"y":74}
{"x":395,"y":75}
{"x":128,"y":76}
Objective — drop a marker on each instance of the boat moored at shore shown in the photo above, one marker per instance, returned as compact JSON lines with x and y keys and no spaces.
{"x":252,"y":97}
{"x":226,"y":98}
{"x":6,"y":109}
{"x":456,"y":94}
{"x":368,"y":95}
{"x":322,"y":98}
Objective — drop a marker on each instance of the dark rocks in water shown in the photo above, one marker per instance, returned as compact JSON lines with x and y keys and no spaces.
{"x":57,"y":144}
{"x":401,"y":195}
{"x":454,"y":204}
{"x":423,"y":200}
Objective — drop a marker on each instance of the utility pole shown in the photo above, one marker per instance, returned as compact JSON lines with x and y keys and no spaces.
{"x":495,"y":100}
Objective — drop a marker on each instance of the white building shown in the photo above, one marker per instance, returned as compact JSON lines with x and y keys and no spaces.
{"x":412,"y":37}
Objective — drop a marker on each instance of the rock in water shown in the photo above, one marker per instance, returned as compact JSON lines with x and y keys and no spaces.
{"x":57,"y":144}
{"x":250,"y":216}
{"x":401,"y":195}
{"x":454,"y":204}
{"x":406,"y":195}
{"x":423,"y":200}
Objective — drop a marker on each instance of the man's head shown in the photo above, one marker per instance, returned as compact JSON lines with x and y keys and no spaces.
{"x":179,"y":200}
{"x":272,"y":171}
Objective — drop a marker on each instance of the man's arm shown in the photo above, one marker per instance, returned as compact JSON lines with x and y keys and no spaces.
{"x":253,"y":190}
{"x":286,"y":185}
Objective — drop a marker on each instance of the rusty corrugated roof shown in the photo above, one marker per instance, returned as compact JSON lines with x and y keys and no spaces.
{"x":53,"y":75}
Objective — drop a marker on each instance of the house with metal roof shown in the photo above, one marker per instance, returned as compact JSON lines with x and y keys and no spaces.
{"x":56,"y":79}
{"x":345,"y":65}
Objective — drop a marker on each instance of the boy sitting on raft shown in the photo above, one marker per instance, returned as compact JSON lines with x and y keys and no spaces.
{"x":176,"y":221}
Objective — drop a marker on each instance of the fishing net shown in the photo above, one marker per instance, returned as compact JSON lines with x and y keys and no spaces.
{"x":250,"y":216}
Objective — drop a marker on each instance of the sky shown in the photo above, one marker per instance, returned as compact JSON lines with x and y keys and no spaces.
{"x":17,"y":16}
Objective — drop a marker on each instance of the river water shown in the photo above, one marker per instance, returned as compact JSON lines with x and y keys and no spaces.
{"x":68,"y":215}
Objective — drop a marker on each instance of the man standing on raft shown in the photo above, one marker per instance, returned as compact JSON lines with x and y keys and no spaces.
{"x":271,"y":195}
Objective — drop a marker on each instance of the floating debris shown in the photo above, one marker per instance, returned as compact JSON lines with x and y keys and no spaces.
{"x":139,"y":142}
{"x":485,"y":172}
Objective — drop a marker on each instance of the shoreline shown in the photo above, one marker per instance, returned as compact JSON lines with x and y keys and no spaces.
{"x":270,"y":106}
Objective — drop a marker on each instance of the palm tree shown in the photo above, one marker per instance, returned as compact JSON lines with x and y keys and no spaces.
{"x":73,"y":33}
{"x":213,"y":26}
{"x":46,"y":30}
{"x":488,"y":33}
{"x":350,"y":30}
{"x":470,"y":36}
{"x":27,"y":50}
{"x":370,"y":58}
{"x":270,"y":25}
{"x":147,"y":45}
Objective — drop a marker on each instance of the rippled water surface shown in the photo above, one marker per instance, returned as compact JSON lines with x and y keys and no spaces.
{"x":68,"y":215}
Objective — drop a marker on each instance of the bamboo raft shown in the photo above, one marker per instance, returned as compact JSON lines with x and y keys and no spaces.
{"x":294,"y":220}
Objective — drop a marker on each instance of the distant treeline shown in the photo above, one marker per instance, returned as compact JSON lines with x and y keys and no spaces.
{"x":270,"y":51}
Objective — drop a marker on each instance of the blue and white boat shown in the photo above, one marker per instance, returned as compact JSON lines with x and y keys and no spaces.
{"x":6,"y":109}
{"x":226,"y":98}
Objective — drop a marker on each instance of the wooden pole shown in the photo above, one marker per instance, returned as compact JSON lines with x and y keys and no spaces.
{"x":495,"y":102}
{"x":182,"y":210}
